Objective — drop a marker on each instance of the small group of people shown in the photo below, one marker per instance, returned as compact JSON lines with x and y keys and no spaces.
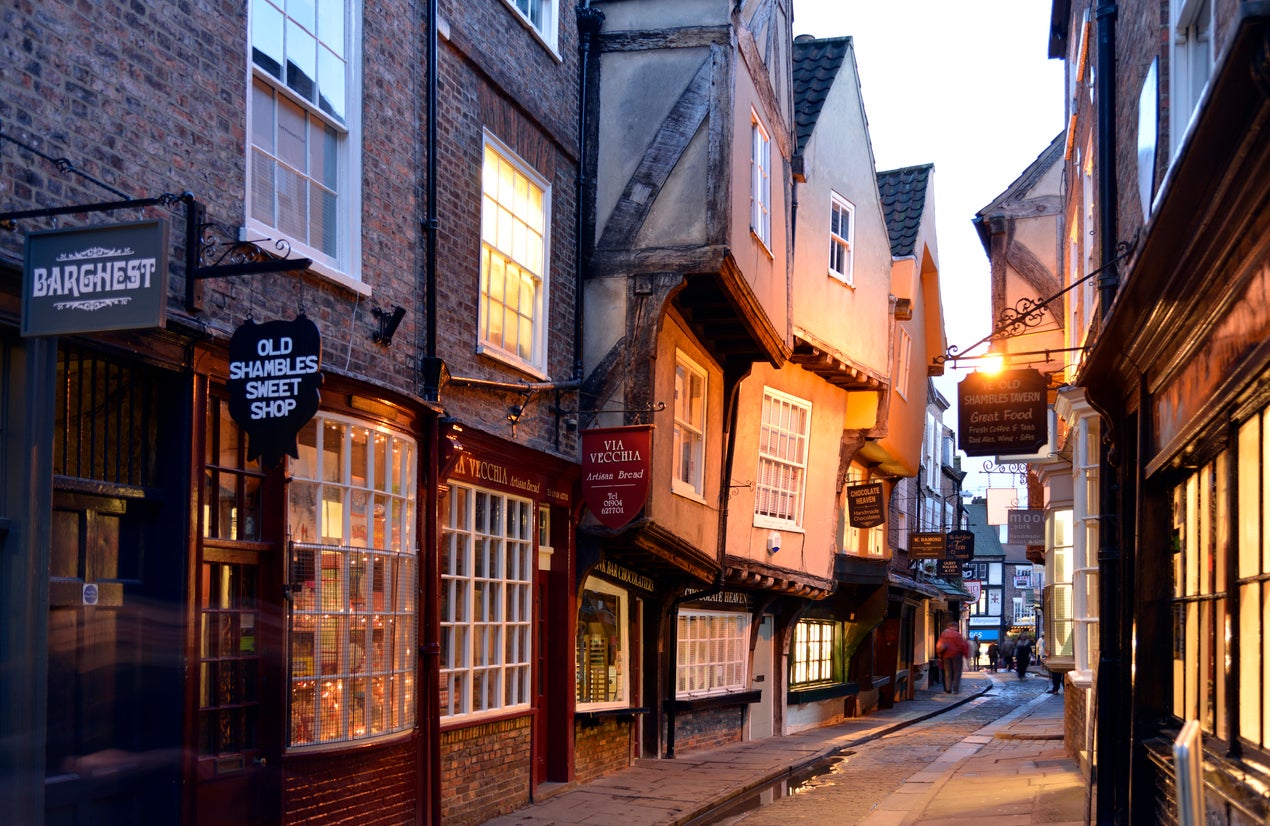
{"x":1015,"y":654}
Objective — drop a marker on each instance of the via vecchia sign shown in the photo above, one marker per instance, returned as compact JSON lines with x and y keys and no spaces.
{"x":274,"y":380}
{"x":616,"y":465}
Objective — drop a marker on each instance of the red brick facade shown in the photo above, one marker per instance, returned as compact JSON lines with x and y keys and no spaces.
{"x":485,"y":770}
{"x":374,"y":786}
{"x":601,"y":748}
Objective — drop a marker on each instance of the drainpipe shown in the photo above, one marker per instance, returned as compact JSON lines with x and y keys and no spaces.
{"x":1113,"y":720}
{"x":589,"y":22}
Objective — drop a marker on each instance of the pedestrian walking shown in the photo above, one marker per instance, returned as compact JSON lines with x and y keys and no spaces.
{"x":952,"y":650}
{"x":994,"y":656}
{"x":1043,"y":654}
{"x":974,"y":649}
{"x":1022,"y":655}
{"x":1007,"y":652}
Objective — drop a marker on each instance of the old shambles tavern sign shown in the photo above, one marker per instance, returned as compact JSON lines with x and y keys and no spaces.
{"x":615,"y":471}
{"x":274,"y":376}
{"x":91,"y":279}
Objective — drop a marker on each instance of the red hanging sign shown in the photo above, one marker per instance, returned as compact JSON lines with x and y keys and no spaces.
{"x":616,"y":465}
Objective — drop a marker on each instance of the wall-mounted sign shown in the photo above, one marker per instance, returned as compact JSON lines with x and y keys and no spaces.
{"x":961,"y":545}
{"x":1002,"y":413}
{"x":616,"y":465}
{"x":90,"y":279}
{"x":949,"y":567}
{"x":1025,"y":526}
{"x":973,"y":587}
{"x":274,"y":380}
{"x":926,"y":546}
{"x":866,"y":504}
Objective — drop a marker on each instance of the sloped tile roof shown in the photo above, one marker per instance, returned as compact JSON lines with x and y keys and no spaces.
{"x":903,"y":193}
{"x":816,"y":65}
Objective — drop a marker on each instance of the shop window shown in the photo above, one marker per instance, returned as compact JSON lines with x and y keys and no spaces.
{"x":1058,"y":589}
{"x":231,"y":484}
{"x":602,"y":648}
{"x":813,"y":654}
{"x":713,"y":648}
{"x":513,"y":299}
{"x":782,"y":461}
{"x":354,"y":580}
{"x":303,"y":169}
{"x":487,"y":568}
{"x":690,"y":427}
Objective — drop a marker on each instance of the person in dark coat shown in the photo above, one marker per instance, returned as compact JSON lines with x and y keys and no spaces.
{"x":1022,"y":656}
{"x":994,"y":656}
{"x":1007,"y":653}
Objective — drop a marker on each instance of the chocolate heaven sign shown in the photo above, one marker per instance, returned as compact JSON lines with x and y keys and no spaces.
{"x":274,"y":376}
{"x":866,"y":505}
{"x":615,"y":472}
{"x":89,"y":279}
{"x":1002,"y":413}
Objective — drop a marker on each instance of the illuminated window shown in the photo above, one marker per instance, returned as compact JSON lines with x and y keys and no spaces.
{"x":812,"y":653}
{"x":690,"y":426}
{"x":303,"y":169}
{"x":712,"y":653}
{"x":602,"y":670}
{"x":354,"y":579}
{"x":514,"y":216}
{"x":487,"y":569}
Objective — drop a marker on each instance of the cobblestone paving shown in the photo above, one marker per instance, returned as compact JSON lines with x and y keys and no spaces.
{"x":857,"y":782}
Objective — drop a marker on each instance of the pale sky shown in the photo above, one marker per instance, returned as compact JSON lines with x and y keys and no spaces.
{"x":965,"y":86}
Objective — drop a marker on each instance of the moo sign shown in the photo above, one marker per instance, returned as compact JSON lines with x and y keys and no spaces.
{"x":274,"y":376}
{"x":90,"y":279}
{"x":1002,"y":413}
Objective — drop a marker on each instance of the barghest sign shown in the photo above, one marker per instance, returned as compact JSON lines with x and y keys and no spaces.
{"x":1002,"y":413}
{"x":97,"y":278}
{"x":616,"y":465}
{"x":274,"y":380}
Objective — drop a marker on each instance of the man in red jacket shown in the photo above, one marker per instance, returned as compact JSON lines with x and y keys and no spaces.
{"x":952,"y":650}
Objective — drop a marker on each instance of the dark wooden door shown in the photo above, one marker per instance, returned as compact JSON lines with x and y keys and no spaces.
{"x":114,"y":683}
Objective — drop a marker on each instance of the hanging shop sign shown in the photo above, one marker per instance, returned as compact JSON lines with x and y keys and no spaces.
{"x":615,"y":472}
{"x":1025,"y":526}
{"x":973,"y":587}
{"x":961,"y":545}
{"x":949,"y":567}
{"x":274,"y":380}
{"x":927,"y":546}
{"x":866,"y":504}
{"x":1002,"y":413}
{"x":92,"y":279}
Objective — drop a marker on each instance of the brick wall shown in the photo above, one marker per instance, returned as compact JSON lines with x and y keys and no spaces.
{"x":1075,"y":710}
{"x":708,"y":728}
{"x":485,"y":770}
{"x":371,"y":787}
{"x":600,"y":748}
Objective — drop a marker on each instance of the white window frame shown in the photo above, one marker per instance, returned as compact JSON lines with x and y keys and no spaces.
{"x":782,"y":461}
{"x":760,"y":182}
{"x":903,"y":362}
{"x":689,"y":450}
{"x":520,"y":238}
{"x":712,"y":653}
{"x":540,"y":17}
{"x":487,"y":617}
{"x":618,"y":677}
{"x":354,"y":565}
{"x":812,"y":654}
{"x":1085,"y":502}
{"x":841,"y":246}
{"x":344,"y":266}
{"x":1191,"y":64}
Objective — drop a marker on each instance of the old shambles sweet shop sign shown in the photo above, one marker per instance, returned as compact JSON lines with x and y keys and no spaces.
{"x":91,"y":279}
{"x":615,"y":471}
{"x":274,"y":380}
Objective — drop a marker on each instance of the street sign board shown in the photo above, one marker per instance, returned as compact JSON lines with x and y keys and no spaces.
{"x":1002,"y":413}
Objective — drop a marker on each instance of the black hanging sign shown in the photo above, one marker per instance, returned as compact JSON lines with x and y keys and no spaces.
{"x":961,"y":545}
{"x":866,"y":505}
{"x":1002,"y":413}
{"x":274,"y":376}
{"x":927,"y":546}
